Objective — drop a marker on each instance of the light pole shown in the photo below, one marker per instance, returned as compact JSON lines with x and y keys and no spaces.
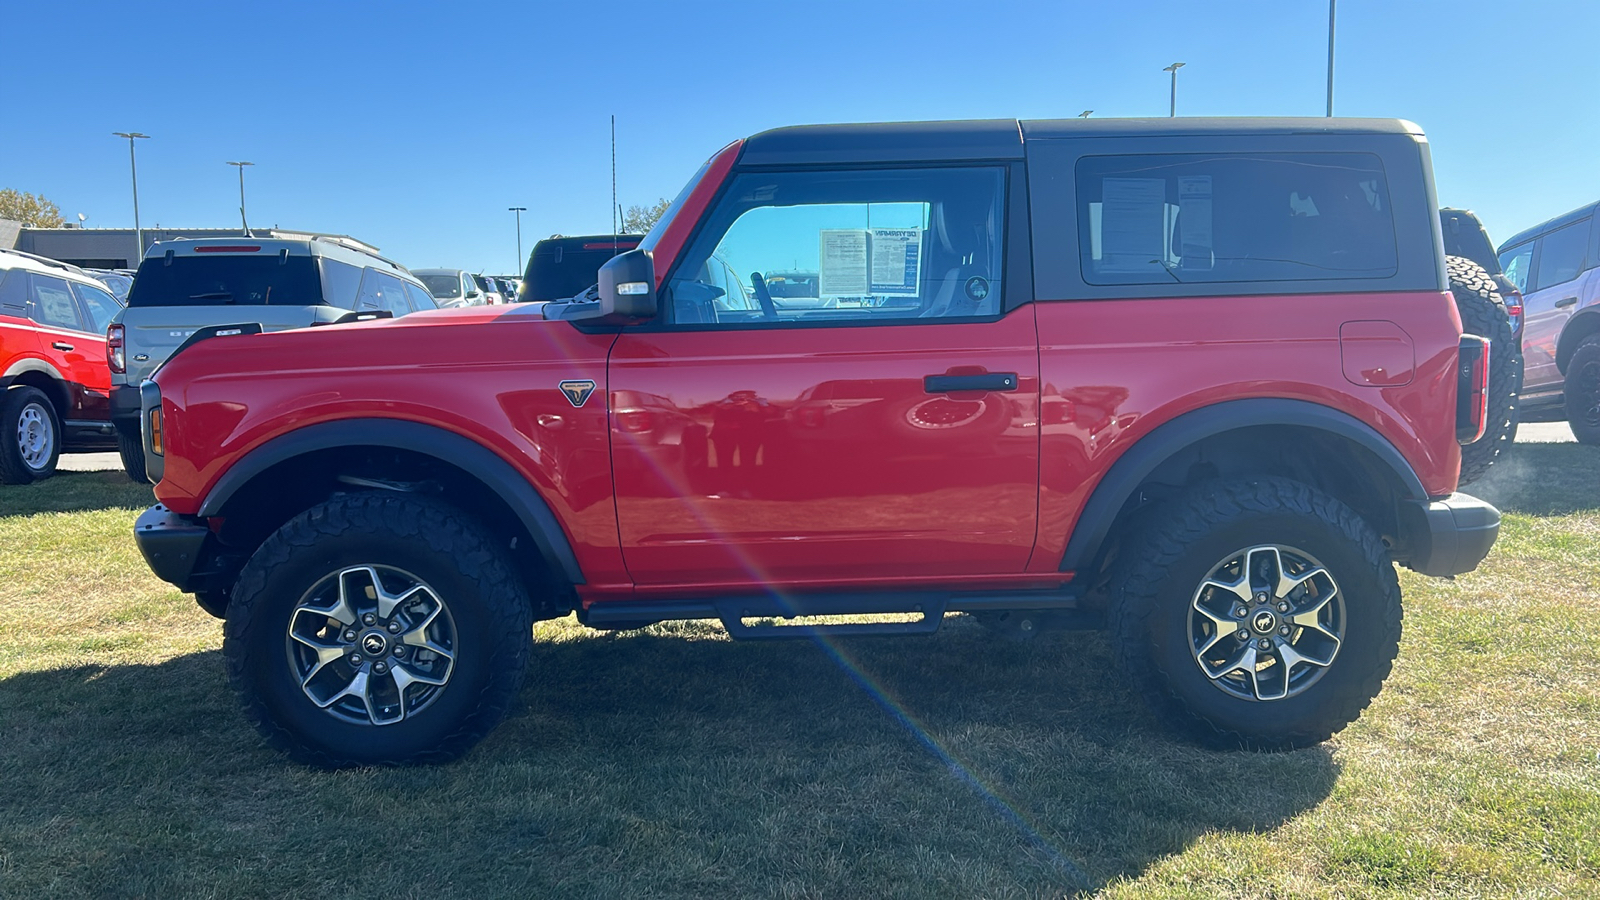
{"x":243,"y":222}
{"x":1085,"y":114}
{"x":1172,"y":111}
{"x":519,"y":210}
{"x":138,"y":234}
{"x":1331,"y":5}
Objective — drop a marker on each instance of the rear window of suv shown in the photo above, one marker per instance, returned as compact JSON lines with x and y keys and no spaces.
{"x":1182,"y":218}
{"x":227,"y":279}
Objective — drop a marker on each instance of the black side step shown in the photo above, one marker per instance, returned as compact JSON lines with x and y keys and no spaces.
{"x":732,"y":611}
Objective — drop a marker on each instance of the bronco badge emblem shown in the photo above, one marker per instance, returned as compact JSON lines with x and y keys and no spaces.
{"x":1264,"y":622}
{"x":577,"y":391}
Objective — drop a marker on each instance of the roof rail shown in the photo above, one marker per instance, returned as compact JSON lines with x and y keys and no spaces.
{"x":53,"y":263}
{"x":341,"y":240}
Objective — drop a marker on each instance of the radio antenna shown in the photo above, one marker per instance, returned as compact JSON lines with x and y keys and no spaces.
{"x":614,"y":206}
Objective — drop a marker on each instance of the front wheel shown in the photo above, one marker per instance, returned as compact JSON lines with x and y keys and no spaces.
{"x":1258,"y":613}
{"x":377,"y":629}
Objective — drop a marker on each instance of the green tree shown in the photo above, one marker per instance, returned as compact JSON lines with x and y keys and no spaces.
{"x":640,"y":219}
{"x":30,"y":210}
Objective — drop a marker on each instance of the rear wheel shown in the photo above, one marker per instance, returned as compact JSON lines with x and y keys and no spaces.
{"x":1257,"y":613}
{"x":30,"y":436}
{"x":132,"y":452}
{"x":377,"y":629}
{"x":1583,"y":391}
{"x":1483,"y":313}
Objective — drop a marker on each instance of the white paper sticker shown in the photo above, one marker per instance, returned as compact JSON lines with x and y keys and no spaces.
{"x":843,"y":253}
{"x":1132,"y":224}
{"x":896,"y":261}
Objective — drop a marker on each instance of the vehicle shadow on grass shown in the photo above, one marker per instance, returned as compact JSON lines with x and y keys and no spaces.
{"x":1542,"y":480}
{"x":74,"y":492}
{"x":666,"y":762}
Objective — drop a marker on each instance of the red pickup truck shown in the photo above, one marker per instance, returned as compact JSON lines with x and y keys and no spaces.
{"x":1200,"y":380}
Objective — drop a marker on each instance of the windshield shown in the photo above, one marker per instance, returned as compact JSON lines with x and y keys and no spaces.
{"x":442,"y":287}
{"x":656,"y":230}
{"x":118,"y":284}
{"x":233,"y":279}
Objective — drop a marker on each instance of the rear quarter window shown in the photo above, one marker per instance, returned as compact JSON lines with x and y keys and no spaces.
{"x":1243,"y":217}
{"x":227,"y":279}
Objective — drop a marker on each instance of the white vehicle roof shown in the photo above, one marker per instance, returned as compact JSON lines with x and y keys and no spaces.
{"x":16,"y":259}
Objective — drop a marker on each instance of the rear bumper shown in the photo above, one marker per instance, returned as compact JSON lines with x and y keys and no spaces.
{"x":172,"y":544}
{"x":1451,"y":536}
{"x":125,"y":409}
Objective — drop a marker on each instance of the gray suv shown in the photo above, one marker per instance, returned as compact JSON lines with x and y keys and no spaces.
{"x":183,"y":286}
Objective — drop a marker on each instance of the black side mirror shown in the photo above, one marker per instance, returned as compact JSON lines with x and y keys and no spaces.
{"x":628,"y":287}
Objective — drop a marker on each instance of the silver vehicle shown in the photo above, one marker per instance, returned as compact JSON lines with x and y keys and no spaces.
{"x":454,"y":287}
{"x":185,"y":285}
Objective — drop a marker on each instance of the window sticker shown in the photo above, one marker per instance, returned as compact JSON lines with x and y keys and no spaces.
{"x":843,"y":253}
{"x":896,"y":261}
{"x":1133,"y":212}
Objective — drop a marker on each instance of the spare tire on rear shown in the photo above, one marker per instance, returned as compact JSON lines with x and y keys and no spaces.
{"x":1483,"y":313}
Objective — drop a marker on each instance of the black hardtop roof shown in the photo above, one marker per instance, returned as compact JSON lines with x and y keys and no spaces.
{"x":1003,"y":138}
{"x":1528,"y":234}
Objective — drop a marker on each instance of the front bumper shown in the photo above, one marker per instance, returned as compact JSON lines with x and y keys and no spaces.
{"x":173,"y":545}
{"x":1450,"y":536}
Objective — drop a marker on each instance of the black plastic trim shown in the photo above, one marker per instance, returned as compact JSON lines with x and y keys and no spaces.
{"x":206,"y":333}
{"x":464,"y":453}
{"x":171,"y":544}
{"x":1136,"y":464}
{"x":1458,"y":533}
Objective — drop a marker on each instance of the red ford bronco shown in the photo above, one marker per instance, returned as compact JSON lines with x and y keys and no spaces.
{"x":1200,"y":380}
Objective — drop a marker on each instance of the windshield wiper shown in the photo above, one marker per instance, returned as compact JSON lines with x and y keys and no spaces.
{"x":215,"y":295}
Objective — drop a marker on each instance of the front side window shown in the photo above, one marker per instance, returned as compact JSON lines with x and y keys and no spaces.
{"x":99,"y":304}
{"x":420,"y":299}
{"x":1517,"y":263}
{"x":380,"y":290}
{"x":1184,"y":218}
{"x":883,"y":246}
{"x":52,"y":303}
{"x":1561,"y":255}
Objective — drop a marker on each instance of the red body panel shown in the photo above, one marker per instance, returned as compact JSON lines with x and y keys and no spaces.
{"x":1115,"y":370}
{"x":488,"y":375}
{"x":751,"y":457}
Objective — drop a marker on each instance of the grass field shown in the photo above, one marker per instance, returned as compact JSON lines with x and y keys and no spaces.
{"x":674,"y":763}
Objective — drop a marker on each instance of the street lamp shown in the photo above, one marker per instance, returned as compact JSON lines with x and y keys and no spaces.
{"x":1085,"y":114}
{"x":138,"y":234}
{"x":1331,"y":5}
{"x":519,"y":210}
{"x":1173,"y":109}
{"x":243,"y":222}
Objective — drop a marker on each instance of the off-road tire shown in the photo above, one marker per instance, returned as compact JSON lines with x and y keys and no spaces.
{"x":443,"y":548}
{"x":13,"y":468}
{"x":1582,"y":390}
{"x":132,"y":452}
{"x":1163,"y":567}
{"x":1483,"y":313}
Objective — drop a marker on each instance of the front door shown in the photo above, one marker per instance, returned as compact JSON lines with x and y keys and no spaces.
{"x":1559,"y":280}
{"x":878,"y":422}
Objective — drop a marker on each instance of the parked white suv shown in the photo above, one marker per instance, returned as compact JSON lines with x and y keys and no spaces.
{"x":184,"y":285}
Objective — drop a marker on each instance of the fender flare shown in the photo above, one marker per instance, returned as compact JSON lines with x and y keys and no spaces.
{"x":446,"y":446}
{"x":59,"y":391}
{"x":1583,"y":323}
{"x":1172,"y":437}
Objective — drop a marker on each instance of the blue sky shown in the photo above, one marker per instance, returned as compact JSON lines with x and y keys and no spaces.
{"x":414,"y":125}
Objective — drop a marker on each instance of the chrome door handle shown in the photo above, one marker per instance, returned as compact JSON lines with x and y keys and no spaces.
{"x":1565,"y":302}
{"x":61,"y":345}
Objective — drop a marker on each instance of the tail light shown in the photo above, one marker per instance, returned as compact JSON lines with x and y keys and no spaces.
{"x":1514,"y":311}
{"x":1472,"y":389}
{"x":114,"y":349}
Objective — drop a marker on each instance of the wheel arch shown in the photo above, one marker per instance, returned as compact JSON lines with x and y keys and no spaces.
{"x":1249,"y":436}
{"x":380,"y":447}
{"x":1580,"y":326}
{"x":39,"y":374}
